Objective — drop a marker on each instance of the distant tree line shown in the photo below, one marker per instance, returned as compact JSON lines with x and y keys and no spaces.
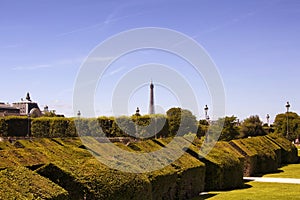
{"x":176,"y":122}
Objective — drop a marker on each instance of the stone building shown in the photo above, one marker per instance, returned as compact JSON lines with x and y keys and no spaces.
{"x":8,"y":110}
{"x":28,"y":107}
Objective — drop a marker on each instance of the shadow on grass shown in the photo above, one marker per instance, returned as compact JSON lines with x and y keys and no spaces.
{"x":273,"y":172}
{"x":215,"y":193}
{"x":204,"y":196}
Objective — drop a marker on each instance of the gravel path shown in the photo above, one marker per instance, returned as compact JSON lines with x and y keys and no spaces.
{"x":273,"y":180}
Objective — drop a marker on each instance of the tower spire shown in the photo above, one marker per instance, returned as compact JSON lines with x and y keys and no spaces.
{"x":151,"y":106}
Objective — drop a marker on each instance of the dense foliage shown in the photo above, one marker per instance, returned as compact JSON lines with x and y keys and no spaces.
{"x":15,"y":126}
{"x":252,"y":126}
{"x":62,"y":168}
{"x":288,"y":122}
{"x":181,"y":122}
{"x":177,"y":122}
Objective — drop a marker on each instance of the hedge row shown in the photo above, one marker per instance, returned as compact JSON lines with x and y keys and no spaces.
{"x":265,"y":154}
{"x":22,"y":183}
{"x":224,"y":166}
{"x":289,"y":153}
{"x":262,"y":155}
{"x":14,"y":126}
{"x":67,"y":163}
{"x":147,"y":126}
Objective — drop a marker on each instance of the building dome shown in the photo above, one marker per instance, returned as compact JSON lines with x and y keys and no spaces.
{"x":35,"y":112}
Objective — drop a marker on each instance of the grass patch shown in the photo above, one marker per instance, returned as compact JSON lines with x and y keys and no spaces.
{"x":289,"y":171}
{"x":257,"y":190}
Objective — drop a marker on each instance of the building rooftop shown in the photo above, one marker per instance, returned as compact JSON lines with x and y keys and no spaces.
{"x":7,"y":107}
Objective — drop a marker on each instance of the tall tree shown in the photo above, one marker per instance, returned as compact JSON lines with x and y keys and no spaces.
{"x":181,"y":121}
{"x":252,"y":126}
{"x":290,"y":121}
{"x":230,"y":129}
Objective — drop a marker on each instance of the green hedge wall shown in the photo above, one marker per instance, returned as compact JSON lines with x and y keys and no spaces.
{"x":135,"y":126}
{"x":289,"y":153}
{"x":183,"y":179}
{"x":3,"y":127}
{"x":90,"y":178}
{"x":21,"y":183}
{"x":262,"y":156}
{"x":15,"y":126}
{"x":224,"y":167}
{"x":40,"y":127}
{"x":68,"y":166}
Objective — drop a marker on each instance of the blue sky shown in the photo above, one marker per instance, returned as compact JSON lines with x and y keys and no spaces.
{"x":254,"y":44}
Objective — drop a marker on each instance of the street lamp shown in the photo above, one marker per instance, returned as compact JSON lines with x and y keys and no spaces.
{"x":78,"y":114}
{"x":28,"y":124}
{"x":206,"y":111}
{"x":287,"y":118}
{"x":268,"y":119}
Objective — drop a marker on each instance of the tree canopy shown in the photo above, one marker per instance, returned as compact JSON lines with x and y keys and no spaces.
{"x":252,"y":126}
{"x":181,"y":121}
{"x":293,"y":125}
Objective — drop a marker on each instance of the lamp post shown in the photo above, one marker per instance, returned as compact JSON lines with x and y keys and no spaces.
{"x":28,"y":124}
{"x":206,"y":112}
{"x":268,"y":119}
{"x":78,"y":114}
{"x":287,"y":118}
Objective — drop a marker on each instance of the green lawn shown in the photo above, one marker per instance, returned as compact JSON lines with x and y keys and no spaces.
{"x":289,"y":171}
{"x":259,"y":190}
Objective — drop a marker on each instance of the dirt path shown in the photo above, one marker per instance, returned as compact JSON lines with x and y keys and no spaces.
{"x":273,"y":180}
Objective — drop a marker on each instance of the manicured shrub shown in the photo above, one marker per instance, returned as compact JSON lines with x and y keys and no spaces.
{"x":224,"y":167}
{"x":82,"y":126}
{"x":182,"y":179}
{"x":262,"y":156}
{"x":106,"y":124}
{"x":21,"y":183}
{"x":289,"y":153}
{"x":15,"y":126}
{"x":3,"y":127}
{"x":58,"y":127}
{"x":40,"y":127}
{"x":71,"y":130}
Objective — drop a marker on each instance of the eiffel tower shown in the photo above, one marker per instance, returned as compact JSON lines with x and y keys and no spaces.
{"x":151,"y":106}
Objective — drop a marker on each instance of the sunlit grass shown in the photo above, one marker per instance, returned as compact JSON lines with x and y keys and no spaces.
{"x":289,"y":171}
{"x":256,"y":191}
{"x":259,"y":190}
{"x":298,"y":147}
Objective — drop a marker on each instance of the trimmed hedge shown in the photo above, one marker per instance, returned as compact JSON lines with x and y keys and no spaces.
{"x":51,"y":127}
{"x":96,"y":181}
{"x":183,"y":179}
{"x":15,"y":126}
{"x":67,"y":163}
{"x":40,"y":127}
{"x":22,"y":183}
{"x":289,"y":153}
{"x":262,"y":155}
{"x":224,"y":166}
